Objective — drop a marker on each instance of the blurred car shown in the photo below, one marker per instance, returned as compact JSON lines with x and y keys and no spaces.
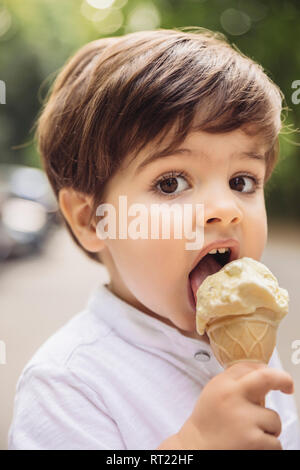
{"x":28,"y":210}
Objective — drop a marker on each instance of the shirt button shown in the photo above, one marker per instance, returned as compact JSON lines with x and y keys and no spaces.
{"x":202,"y":356}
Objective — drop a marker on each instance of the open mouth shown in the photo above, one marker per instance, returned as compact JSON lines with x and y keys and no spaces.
{"x":209,"y":264}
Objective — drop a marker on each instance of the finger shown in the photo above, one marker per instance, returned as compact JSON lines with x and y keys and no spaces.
{"x":239,"y":369}
{"x":269,"y":421}
{"x":258,"y":383}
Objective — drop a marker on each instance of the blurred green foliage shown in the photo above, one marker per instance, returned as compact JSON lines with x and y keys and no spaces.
{"x":37,"y":36}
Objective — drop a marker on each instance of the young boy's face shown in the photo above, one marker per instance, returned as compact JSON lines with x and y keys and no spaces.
{"x":153,"y":274}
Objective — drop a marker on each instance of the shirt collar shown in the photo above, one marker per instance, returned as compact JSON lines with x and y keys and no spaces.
{"x":144,"y":331}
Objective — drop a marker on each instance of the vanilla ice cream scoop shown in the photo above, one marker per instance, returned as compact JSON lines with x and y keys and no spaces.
{"x":240,"y":307}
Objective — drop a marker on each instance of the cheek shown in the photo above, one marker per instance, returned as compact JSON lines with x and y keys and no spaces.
{"x":144,"y":261}
{"x":256,"y":228}
{"x":153,"y":271}
{"x":148,"y":262}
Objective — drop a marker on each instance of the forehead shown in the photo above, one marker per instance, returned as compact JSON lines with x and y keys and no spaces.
{"x":237,"y":139}
{"x":204,"y":144}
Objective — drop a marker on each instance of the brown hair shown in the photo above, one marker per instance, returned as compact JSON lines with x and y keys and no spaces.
{"x":115,"y":95}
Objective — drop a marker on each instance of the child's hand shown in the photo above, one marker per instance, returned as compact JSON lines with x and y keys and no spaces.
{"x":228,"y":414}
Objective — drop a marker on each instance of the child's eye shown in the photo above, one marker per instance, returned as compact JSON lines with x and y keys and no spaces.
{"x":170,"y":184}
{"x":174,"y":183}
{"x":244,"y":183}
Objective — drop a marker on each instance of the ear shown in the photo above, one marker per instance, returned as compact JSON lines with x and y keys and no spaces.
{"x":76,"y":208}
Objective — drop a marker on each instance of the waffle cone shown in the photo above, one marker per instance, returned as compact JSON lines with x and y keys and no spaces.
{"x":243,"y":338}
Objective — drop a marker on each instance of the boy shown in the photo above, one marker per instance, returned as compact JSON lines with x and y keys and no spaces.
{"x":169,"y":117}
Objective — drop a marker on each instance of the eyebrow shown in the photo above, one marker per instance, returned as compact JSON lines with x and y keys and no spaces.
{"x":163,"y":153}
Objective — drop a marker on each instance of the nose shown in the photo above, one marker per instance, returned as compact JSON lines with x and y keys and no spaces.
{"x":222,"y":209}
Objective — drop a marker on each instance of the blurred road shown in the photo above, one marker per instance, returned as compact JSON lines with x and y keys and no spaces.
{"x":39,"y":294}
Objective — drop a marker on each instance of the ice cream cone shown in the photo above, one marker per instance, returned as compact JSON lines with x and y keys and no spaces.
{"x":240,"y":338}
{"x":240,"y":307}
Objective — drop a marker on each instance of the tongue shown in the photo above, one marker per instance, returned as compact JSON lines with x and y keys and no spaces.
{"x":207,"y":266}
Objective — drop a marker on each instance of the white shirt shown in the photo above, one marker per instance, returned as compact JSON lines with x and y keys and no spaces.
{"x":115,"y":378}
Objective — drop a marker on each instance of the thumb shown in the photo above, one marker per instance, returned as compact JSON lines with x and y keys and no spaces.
{"x":258,"y":383}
